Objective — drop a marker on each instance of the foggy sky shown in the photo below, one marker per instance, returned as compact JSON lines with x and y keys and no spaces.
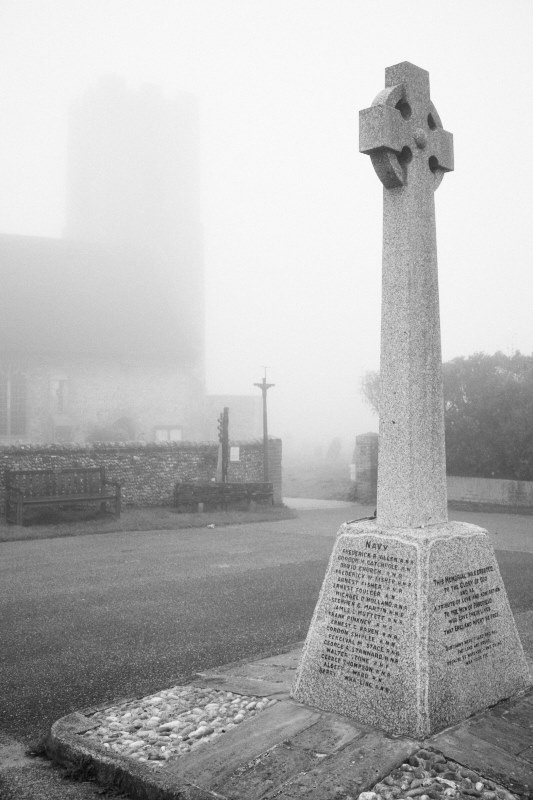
{"x":291,"y":210}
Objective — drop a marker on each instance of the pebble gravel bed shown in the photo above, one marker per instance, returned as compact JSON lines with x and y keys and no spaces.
{"x":428,"y":775}
{"x":172,"y":722}
{"x":178,"y":720}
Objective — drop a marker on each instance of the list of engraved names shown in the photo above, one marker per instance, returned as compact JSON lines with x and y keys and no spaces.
{"x":366,"y":613}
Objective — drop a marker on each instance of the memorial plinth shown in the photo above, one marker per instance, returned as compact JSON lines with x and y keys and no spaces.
{"x":412,"y":630}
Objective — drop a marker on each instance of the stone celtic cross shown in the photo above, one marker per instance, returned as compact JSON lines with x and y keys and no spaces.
{"x":403,"y":135}
{"x":399,"y":639}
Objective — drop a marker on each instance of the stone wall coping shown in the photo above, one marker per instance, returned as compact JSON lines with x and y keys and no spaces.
{"x":105,"y":447}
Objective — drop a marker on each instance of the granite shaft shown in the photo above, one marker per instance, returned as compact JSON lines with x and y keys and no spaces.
{"x":412,"y":464}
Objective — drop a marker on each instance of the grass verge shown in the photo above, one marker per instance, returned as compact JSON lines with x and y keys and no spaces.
{"x":50,"y":524}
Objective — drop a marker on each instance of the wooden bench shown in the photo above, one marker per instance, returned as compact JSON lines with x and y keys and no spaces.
{"x":46,"y":487}
{"x":194,"y":496}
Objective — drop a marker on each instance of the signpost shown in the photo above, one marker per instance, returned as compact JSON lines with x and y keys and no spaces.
{"x":264,"y":386}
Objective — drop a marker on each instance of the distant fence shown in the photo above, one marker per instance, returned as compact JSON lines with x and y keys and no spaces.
{"x":490,"y":491}
{"x":148,"y":472}
{"x":494,"y":492}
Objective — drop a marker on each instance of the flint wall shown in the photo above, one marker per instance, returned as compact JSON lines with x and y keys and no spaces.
{"x":148,"y":472}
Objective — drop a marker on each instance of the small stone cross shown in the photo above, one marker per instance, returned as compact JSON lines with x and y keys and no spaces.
{"x":403,"y":135}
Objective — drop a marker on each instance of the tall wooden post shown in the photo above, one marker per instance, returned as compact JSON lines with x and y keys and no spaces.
{"x":264,"y":386}
{"x":223,"y":448}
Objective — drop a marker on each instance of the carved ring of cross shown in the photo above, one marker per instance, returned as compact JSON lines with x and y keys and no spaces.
{"x":392,"y":132}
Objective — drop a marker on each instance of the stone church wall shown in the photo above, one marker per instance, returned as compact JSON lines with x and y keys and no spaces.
{"x":77,"y":399}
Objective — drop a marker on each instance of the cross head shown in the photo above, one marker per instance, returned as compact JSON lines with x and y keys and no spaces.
{"x":402,"y":132}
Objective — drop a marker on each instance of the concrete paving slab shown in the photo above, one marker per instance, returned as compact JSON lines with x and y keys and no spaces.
{"x":329,"y":734}
{"x":219,"y":762}
{"x":267,"y":774}
{"x":269,"y":673}
{"x":34,"y":777}
{"x":352,"y":770}
{"x":502,"y":733}
{"x":242,"y":685}
{"x":492,"y":761}
{"x":527,"y":755}
{"x":291,"y":751}
{"x":518,"y":712}
{"x":273,"y":749}
{"x":284,"y":661}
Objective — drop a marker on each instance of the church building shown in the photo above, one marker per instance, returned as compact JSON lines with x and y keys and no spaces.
{"x":102,"y":331}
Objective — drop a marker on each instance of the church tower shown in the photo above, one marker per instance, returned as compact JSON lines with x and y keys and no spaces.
{"x":133,"y":182}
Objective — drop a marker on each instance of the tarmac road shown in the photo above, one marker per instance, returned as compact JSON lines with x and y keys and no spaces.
{"x":90,"y":619}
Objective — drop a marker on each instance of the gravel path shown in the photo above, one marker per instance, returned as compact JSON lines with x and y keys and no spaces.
{"x":172,"y":722}
{"x":429,"y":776}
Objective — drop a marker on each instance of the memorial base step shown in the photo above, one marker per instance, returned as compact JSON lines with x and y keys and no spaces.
{"x":412,"y":631}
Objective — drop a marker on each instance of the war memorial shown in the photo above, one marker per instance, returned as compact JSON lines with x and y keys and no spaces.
{"x":413,"y":630}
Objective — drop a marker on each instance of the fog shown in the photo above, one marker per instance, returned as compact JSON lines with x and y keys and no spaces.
{"x":291,"y":212}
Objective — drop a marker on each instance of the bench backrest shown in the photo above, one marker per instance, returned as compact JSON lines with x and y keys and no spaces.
{"x":196,"y":492}
{"x":68,"y":482}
